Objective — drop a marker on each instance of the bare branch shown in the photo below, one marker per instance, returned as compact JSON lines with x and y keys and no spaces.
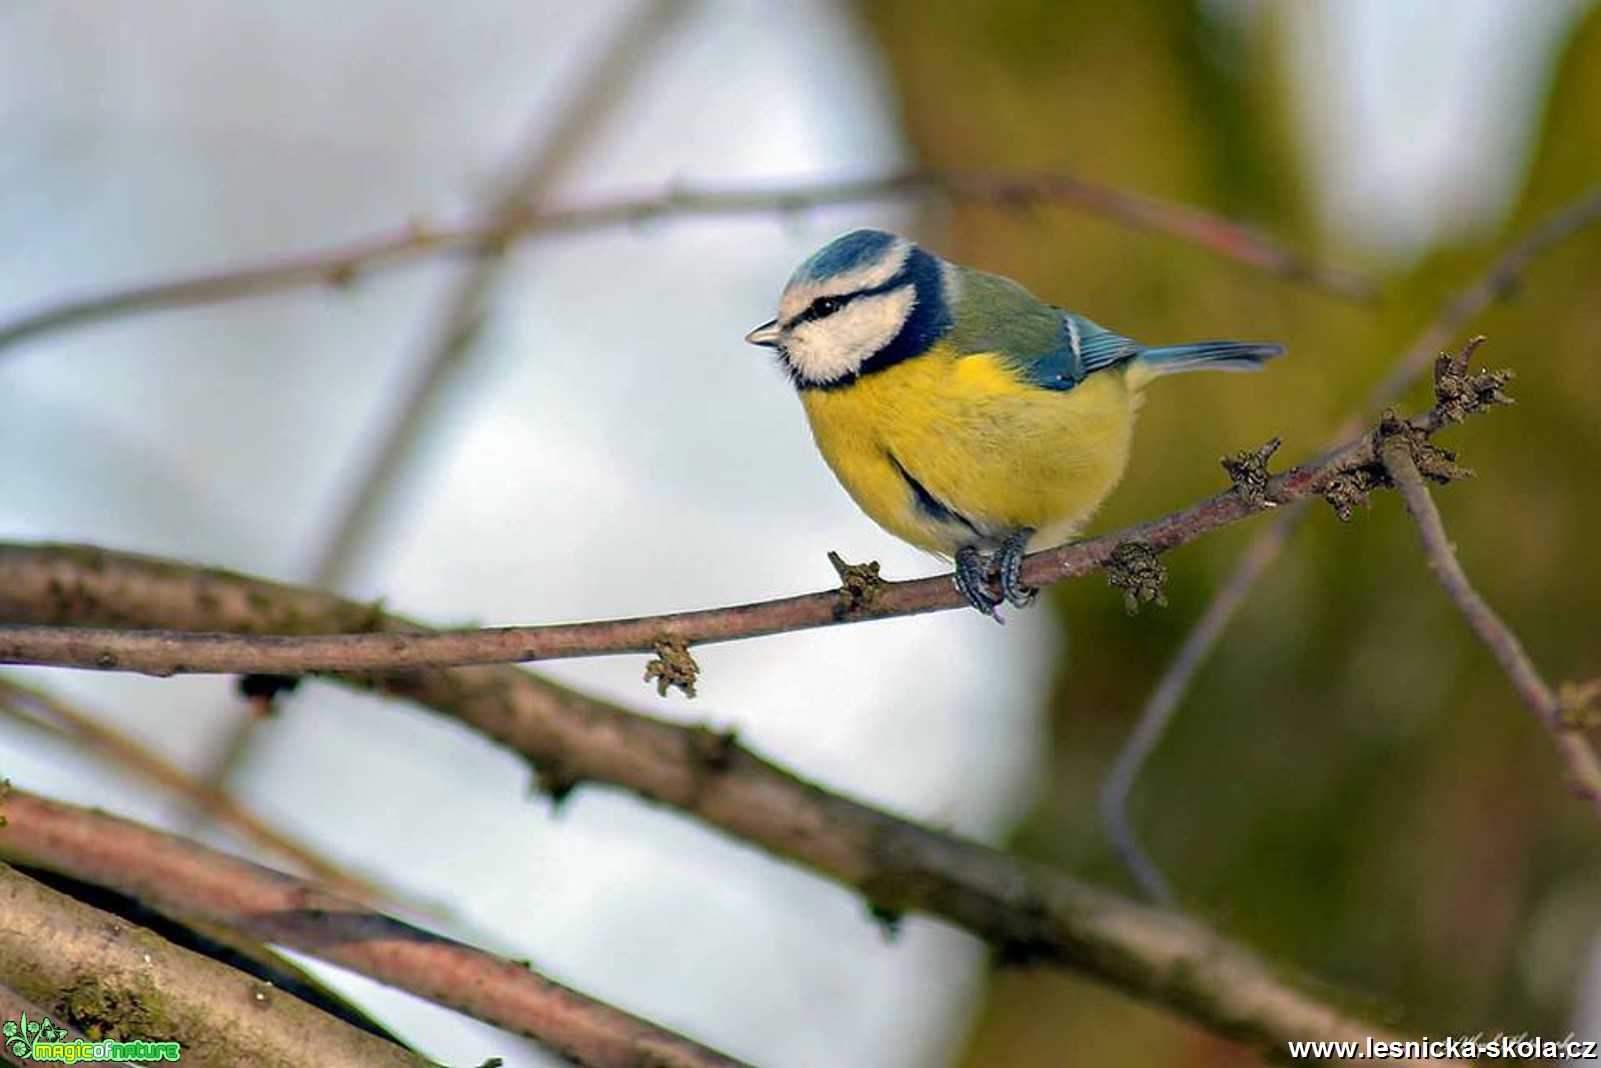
{"x":525,"y":181}
{"x":94,"y":971}
{"x":171,"y":652}
{"x":1027,"y":911}
{"x":189,"y":881}
{"x":1584,"y":767}
{"x":1498,"y":279}
{"x":340,"y":265}
{"x":138,"y":759}
{"x":1164,"y":703}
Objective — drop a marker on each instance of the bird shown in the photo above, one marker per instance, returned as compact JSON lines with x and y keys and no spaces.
{"x":962,"y":413}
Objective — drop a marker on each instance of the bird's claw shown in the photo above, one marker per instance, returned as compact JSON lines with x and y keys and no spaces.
{"x":973,"y":580}
{"x":987,"y":582}
{"x":1009,"y":567}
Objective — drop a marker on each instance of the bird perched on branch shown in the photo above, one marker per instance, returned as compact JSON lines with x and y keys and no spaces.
{"x":961,"y":412}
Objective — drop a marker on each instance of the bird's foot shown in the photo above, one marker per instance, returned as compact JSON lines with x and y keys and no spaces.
{"x":973,"y":580}
{"x":1009,"y":567}
{"x":986,"y":582}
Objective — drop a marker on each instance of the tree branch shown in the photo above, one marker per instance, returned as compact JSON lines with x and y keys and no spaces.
{"x":1584,"y":767}
{"x":98,"y":973}
{"x":340,"y":265}
{"x":1028,"y":912}
{"x":525,"y":180}
{"x":128,"y":752}
{"x":181,"y":652}
{"x":189,"y":881}
{"x":1495,"y":282}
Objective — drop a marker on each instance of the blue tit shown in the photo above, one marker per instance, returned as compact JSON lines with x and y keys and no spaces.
{"x":961,"y":412}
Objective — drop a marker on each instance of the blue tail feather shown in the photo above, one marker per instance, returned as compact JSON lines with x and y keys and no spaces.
{"x":1209,"y":356}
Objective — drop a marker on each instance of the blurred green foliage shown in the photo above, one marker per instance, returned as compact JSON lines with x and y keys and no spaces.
{"x":1352,"y":786}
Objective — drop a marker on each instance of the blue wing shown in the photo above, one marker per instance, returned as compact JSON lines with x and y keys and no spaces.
{"x":1081,"y":348}
{"x":1046,"y":346}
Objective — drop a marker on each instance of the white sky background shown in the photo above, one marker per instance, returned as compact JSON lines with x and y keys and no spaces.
{"x":616,"y":449}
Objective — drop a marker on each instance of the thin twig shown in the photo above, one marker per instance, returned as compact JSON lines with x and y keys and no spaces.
{"x":1494,"y":283}
{"x":1584,"y":767}
{"x":88,"y":967}
{"x":99,"y":738}
{"x":188,"y":880}
{"x":340,"y":265}
{"x":1164,"y":703}
{"x":176,"y":652}
{"x":1027,"y":911}
{"x":524,"y":181}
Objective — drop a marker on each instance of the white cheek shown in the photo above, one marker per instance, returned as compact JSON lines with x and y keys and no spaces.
{"x":831,"y":348}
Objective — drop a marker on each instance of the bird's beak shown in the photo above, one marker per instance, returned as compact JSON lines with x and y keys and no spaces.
{"x":766,"y":334}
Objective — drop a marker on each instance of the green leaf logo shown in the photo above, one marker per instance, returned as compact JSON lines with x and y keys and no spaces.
{"x":16,"y":1037}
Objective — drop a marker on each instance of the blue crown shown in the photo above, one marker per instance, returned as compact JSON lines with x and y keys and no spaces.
{"x":856,"y":249}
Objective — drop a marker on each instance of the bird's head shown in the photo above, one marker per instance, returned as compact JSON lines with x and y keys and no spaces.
{"x":861,"y":303}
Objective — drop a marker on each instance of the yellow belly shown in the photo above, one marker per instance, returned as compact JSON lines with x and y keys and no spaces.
{"x":998,"y":453}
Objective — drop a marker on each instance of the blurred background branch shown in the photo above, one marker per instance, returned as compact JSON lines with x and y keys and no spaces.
{"x":488,"y":236}
{"x":103,"y":977}
{"x":187,"y":881}
{"x":37,"y":708}
{"x":398,"y":447}
{"x":1494,"y":283}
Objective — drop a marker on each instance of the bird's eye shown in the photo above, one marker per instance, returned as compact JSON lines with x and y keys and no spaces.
{"x":823,"y":306}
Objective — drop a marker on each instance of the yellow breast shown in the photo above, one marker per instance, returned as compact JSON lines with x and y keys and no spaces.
{"x":946,"y":450}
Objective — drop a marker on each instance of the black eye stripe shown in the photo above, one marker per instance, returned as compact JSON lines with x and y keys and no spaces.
{"x":823,"y":307}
